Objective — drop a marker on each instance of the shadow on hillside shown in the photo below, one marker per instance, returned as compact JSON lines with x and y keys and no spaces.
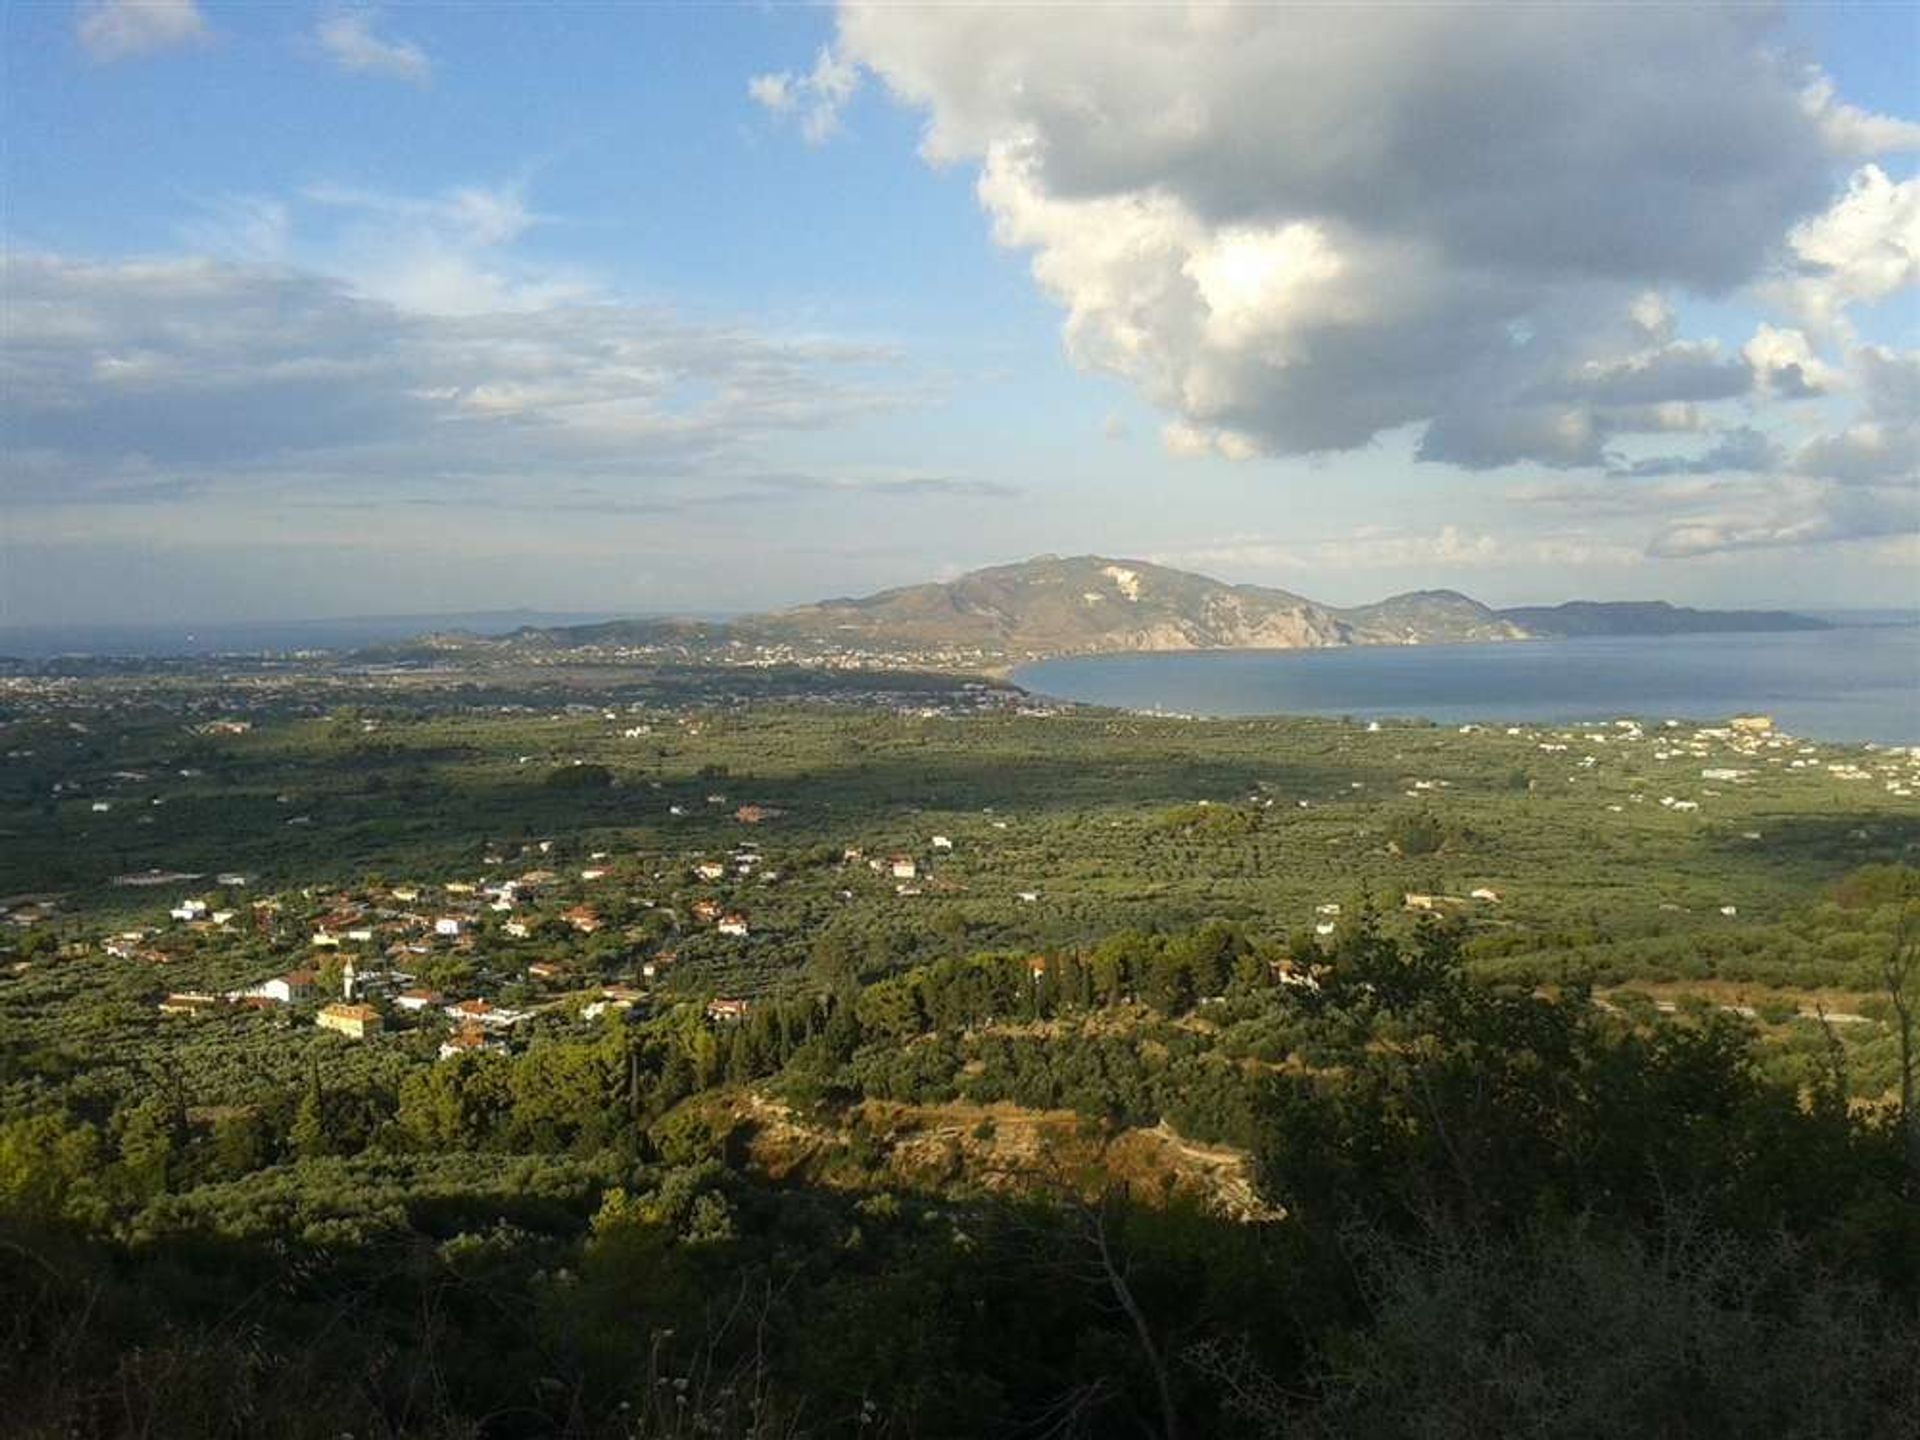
{"x":727,"y":1307}
{"x":1834,"y":843}
{"x":701,"y":1302}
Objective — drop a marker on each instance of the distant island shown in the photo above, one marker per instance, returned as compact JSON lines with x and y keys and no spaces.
{"x":1093,"y":605}
{"x":1649,"y":617}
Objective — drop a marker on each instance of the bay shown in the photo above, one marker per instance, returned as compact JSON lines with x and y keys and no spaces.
{"x":1858,"y":683}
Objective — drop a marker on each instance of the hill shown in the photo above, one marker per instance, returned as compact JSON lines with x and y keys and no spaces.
{"x":1427,"y":617}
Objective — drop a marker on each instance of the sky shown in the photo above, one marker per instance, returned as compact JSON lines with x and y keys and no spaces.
{"x":347,"y":310}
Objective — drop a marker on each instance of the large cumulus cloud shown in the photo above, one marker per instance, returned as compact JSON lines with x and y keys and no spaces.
{"x":1297,"y":228}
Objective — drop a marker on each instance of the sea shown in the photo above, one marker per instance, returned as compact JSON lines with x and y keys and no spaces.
{"x":1854,"y":683}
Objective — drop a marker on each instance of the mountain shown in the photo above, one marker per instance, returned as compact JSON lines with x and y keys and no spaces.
{"x":1054,"y":606}
{"x":1079,"y":605}
{"x":1649,"y":617}
{"x":1090,"y":604}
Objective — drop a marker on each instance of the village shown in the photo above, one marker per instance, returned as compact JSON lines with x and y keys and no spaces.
{"x":451,"y":959}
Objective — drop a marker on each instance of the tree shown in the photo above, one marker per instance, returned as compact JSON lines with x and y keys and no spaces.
{"x":44,"y":1160}
{"x":832,"y":960}
{"x":238,"y":1145}
{"x":151,"y":1137}
{"x":1418,"y":833}
{"x":1898,"y":972}
{"x":307,"y":1137}
{"x":892,"y":1009}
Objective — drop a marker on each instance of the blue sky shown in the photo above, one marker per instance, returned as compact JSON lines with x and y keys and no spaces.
{"x":341,"y":310}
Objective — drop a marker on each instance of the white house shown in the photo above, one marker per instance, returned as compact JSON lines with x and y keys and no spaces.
{"x":447,"y":925}
{"x":285,"y":989}
{"x":483,"y":1012}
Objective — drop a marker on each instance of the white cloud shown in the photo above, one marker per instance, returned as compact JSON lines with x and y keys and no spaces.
{"x":447,"y":254}
{"x":1192,"y":442}
{"x":1452,"y":548}
{"x":1784,"y":363}
{"x":1862,"y":249}
{"x":1665,"y":417}
{"x":817,"y":97}
{"x":256,"y":229}
{"x":473,"y":214}
{"x":1881,"y":445}
{"x":1295,"y":229}
{"x":1868,"y":451}
{"x":347,"y":38}
{"x":1852,"y":131}
{"x":144,"y":380}
{"x":772,"y":92}
{"x":1680,"y":370}
{"x":121,"y":29}
{"x":1708,"y":508}
{"x":1739,"y":449}
{"x":1792,"y":516}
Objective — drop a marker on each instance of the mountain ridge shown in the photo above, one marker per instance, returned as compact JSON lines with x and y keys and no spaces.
{"x":1052,"y":605}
